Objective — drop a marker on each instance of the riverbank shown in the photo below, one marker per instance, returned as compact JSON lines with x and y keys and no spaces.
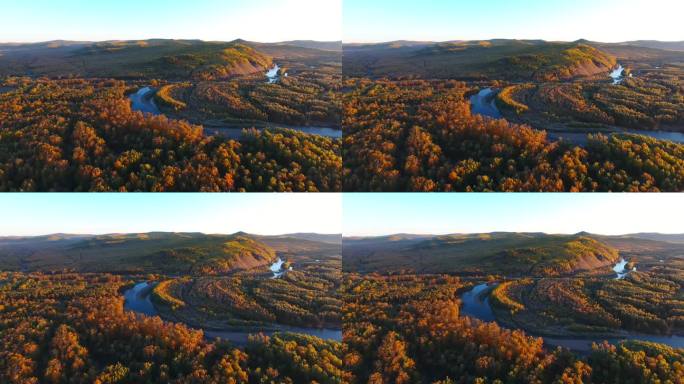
{"x":236,"y":132}
{"x":484,"y":103}
{"x":143,"y":101}
{"x":138,"y":299}
{"x":475,"y":303}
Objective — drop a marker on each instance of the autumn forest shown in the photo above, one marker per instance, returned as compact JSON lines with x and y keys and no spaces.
{"x":169,"y":115}
{"x":512,"y":115}
{"x":185,"y":115}
{"x":341,"y":192}
{"x":226,"y":309}
{"x":303,"y":308}
{"x":513,"y":308}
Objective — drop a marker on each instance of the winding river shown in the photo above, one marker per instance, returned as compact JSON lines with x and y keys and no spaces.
{"x":236,"y":132}
{"x":137,"y":299}
{"x":143,"y":101}
{"x":617,"y":74}
{"x":484,"y":103}
{"x":277,"y":268}
{"x":621,"y":269}
{"x":475,"y":303}
{"x":272,"y":74}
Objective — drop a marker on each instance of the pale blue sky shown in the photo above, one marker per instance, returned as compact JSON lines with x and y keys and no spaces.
{"x":427,"y":213}
{"x":355,"y":214}
{"x":224,"y":20}
{"x":441,"y":20}
{"x":91,"y":213}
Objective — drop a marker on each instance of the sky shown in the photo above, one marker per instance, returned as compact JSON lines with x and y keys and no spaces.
{"x":26,"y":214}
{"x":558,"y":20}
{"x":380,"y":214}
{"x":216,"y":20}
{"x":354,"y":214}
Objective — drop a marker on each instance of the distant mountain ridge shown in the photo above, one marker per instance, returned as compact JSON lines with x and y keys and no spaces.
{"x":313,"y":44}
{"x":499,"y":59}
{"x":161,"y":58}
{"x":298,"y":235}
{"x":514,"y":254}
{"x":664,"y":45}
{"x":647,"y":235}
{"x":152,"y":252}
{"x":152,"y":58}
{"x":510,"y":59}
{"x":671,"y":238}
{"x":659,"y":44}
{"x":323,"y":238}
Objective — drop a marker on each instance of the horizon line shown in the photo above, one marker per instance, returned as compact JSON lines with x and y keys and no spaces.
{"x":437,"y":41}
{"x":342,"y":41}
{"x":163,"y":38}
{"x":520,"y":232}
{"x":168,"y":232}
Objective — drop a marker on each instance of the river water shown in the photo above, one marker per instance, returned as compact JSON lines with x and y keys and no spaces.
{"x":617,"y":74}
{"x":137,"y":299}
{"x":272,"y":75}
{"x":477,"y":306}
{"x":143,"y":101}
{"x":621,"y":269}
{"x":277,"y":268}
{"x":483,"y":103}
{"x":236,"y":133}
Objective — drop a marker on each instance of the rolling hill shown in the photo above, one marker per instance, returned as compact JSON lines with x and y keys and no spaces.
{"x":158,"y":252}
{"x":665,"y":45}
{"x":661,"y":237}
{"x":502,"y":59}
{"x":161,"y":252}
{"x":316,"y":237}
{"x":161,"y":58}
{"x":157,"y":58}
{"x":313,"y":44}
{"x":488,"y":59}
{"x":511,"y":254}
{"x":639,"y":53}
